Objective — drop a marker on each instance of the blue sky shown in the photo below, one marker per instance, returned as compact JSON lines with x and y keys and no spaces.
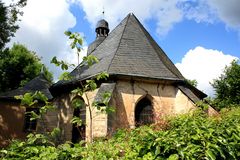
{"x":184,"y":36}
{"x":200,"y":36}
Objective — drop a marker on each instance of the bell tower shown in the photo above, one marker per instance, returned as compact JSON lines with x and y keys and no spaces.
{"x":102,"y":31}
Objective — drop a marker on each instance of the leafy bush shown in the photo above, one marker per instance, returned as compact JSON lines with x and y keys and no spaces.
{"x":189,"y":136}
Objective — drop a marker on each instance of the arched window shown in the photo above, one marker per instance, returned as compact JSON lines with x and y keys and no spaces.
{"x":78,"y":132}
{"x":144,"y":112}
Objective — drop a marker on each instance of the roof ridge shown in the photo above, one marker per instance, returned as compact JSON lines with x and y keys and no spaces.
{"x":151,"y":40}
{"x":119,"y":42}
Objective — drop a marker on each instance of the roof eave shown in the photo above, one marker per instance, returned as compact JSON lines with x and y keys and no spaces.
{"x":142,"y":77}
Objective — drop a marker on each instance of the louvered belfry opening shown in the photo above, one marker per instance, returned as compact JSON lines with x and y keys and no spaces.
{"x":144,"y":112}
{"x":79,"y":132}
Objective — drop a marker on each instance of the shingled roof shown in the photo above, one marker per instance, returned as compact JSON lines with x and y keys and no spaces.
{"x":192,"y":92}
{"x":129,"y":50}
{"x":39,"y":83}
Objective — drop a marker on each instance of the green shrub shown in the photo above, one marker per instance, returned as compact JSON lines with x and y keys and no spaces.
{"x":189,"y":136}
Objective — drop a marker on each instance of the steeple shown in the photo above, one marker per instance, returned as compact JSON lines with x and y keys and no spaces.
{"x":102,"y":31}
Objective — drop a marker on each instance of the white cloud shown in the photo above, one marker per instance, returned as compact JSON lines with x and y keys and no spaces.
{"x":42,"y":29}
{"x":164,"y":12}
{"x":204,"y":65}
{"x":211,"y":11}
{"x":71,"y":56}
{"x":227,"y":11}
{"x":199,"y":11}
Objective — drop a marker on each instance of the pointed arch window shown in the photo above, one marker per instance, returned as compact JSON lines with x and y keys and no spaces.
{"x":144,"y":112}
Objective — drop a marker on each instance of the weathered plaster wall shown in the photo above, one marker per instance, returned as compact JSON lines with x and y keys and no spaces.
{"x":182,"y":103}
{"x":212,"y":112}
{"x":65,"y":109}
{"x":49,"y":121}
{"x":99,"y":120}
{"x":64,"y":114}
{"x":11,"y":122}
{"x":166,"y":100}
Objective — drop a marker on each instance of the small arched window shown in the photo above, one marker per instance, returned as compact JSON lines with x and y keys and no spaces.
{"x":144,"y":112}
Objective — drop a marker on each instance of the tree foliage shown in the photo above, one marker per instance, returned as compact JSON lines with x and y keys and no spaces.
{"x":9,"y":15}
{"x":86,"y":85}
{"x":227,"y":86}
{"x":192,"y":82}
{"x":18,"y":65}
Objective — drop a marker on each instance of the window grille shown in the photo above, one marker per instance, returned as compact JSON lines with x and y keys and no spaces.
{"x":144,"y":112}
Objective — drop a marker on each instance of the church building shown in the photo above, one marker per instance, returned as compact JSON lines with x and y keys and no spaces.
{"x":144,"y":83}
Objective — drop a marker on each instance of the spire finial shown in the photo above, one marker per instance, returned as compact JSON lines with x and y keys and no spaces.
{"x":103,"y":12}
{"x":102,"y":29}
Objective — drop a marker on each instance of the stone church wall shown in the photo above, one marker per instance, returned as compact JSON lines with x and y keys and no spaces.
{"x":166,"y":99}
{"x":65,"y":114}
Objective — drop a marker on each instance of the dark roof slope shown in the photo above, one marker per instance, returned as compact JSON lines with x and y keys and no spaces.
{"x":192,"y":92}
{"x":105,"y":87}
{"x":39,"y":83}
{"x":104,"y":52}
{"x":129,"y":50}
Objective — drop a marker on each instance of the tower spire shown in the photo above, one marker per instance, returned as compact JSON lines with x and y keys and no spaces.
{"x":103,"y":13}
{"x":102,"y":29}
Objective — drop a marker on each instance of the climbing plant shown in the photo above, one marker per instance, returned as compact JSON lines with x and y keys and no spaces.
{"x":86,"y":85}
{"x":39,"y":102}
{"x":33,"y":99}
